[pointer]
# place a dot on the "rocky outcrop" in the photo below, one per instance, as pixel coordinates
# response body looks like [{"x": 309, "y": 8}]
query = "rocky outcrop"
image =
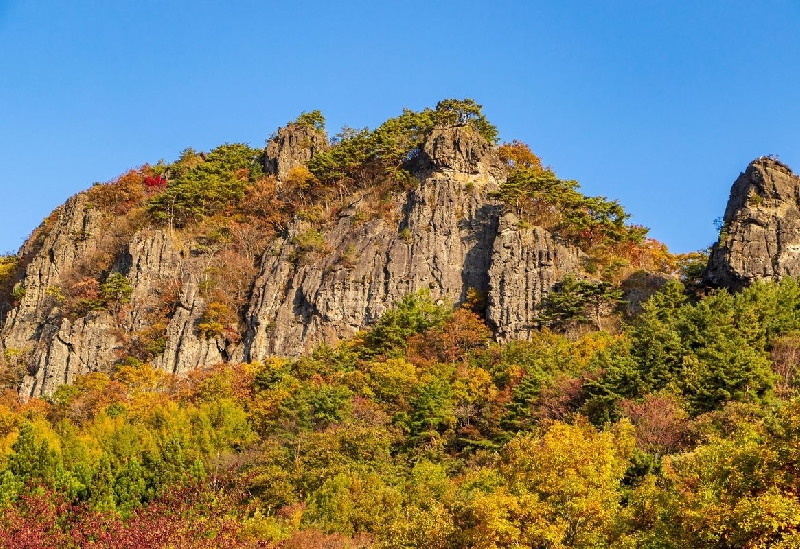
[
  {"x": 33, "y": 331},
  {"x": 526, "y": 263},
  {"x": 460, "y": 153},
  {"x": 62, "y": 240},
  {"x": 314, "y": 283},
  {"x": 292, "y": 146},
  {"x": 441, "y": 240},
  {"x": 56, "y": 347},
  {"x": 155, "y": 264},
  {"x": 760, "y": 234}
]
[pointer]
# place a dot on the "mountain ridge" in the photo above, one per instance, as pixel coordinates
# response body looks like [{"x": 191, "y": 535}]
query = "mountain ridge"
[{"x": 238, "y": 254}]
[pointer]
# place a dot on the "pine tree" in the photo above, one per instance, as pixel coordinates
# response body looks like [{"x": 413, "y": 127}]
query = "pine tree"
[
  {"x": 130, "y": 487},
  {"x": 101, "y": 488}
]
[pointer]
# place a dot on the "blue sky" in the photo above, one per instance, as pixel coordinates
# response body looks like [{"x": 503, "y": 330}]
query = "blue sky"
[{"x": 658, "y": 104}]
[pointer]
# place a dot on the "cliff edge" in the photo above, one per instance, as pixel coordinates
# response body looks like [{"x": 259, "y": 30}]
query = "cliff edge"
[
  {"x": 305, "y": 284},
  {"x": 760, "y": 233}
]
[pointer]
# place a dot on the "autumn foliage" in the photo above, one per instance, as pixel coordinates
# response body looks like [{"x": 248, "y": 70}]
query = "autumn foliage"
[
  {"x": 670, "y": 427},
  {"x": 421, "y": 432}
]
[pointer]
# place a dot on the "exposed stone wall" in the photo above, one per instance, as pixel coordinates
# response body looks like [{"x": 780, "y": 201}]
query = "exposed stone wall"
[{"x": 447, "y": 235}]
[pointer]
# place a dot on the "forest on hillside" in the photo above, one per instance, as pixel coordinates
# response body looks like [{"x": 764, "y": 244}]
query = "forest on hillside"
[
  {"x": 673, "y": 424},
  {"x": 679, "y": 431}
]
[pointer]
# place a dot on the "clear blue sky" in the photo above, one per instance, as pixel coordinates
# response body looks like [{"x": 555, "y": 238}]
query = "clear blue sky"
[{"x": 658, "y": 104}]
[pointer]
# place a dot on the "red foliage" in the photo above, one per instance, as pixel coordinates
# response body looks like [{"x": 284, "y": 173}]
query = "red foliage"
[
  {"x": 155, "y": 182},
  {"x": 33, "y": 523},
  {"x": 193, "y": 517},
  {"x": 560, "y": 399},
  {"x": 662, "y": 426}
]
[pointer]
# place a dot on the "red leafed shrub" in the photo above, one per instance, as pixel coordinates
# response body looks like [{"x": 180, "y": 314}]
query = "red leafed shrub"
[
  {"x": 33, "y": 523},
  {"x": 191, "y": 517},
  {"x": 155, "y": 182}
]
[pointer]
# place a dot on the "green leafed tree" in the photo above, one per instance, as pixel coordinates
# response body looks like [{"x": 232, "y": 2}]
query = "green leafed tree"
[
  {"x": 414, "y": 314},
  {"x": 581, "y": 301},
  {"x": 116, "y": 288},
  {"x": 364, "y": 156},
  {"x": 466, "y": 112},
  {"x": 205, "y": 187},
  {"x": 311, "y": 119},
  {"x": 101, "y": 488},
  {"x": 130, "y": 487}
]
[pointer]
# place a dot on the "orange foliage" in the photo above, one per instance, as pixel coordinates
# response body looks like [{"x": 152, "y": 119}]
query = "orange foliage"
[
  {"x": 316, "y": 539},
  {"x": 262, "y": 205},
  {"x": 95, "y": 392},
  {"x": 463, "y": 332},
  {"x": 652, "y": 255},
  {"x": 10, "y": 399},
  {"x": 85, "y": 288},
  {"x": 33, "y": 408},
  {"x": 519, "y": 155},
  {"x": 120, "y": 195}
]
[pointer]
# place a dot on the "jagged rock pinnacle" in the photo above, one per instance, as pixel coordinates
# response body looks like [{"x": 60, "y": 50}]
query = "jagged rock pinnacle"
[
  {"x": 760, "y": 234},
  {"x": 292, "y": 146}
]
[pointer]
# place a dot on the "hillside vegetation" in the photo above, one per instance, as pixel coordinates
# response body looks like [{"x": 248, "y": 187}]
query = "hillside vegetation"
[
  {"x": 224, "y": 210},
  {"x": 673, "y": 424},
  {"x": 678, "y": 432}
]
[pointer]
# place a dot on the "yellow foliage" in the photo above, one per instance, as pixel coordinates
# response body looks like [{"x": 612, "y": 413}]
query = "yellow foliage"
[
  {"x": 139, "y": 377},
  {"x": 300, "y": 177},
  {"x": 93, "y": 381},
  {"x": 392, "y": 378},
  {"x": 473, "y": 384},
  {"x": 573, "y": 474},
  {"x": 8, "y": 264},
  {"x": 430, "y": 527},
  {"x": 261, "y": 527},
  {"x": 497, "y": 521},
  {"x": 44, "y": 431},
  {"x": 9, "y": 423},
  {"x": 142, "y": 403},
  {"x": 217, "y": 319},
  {"x": 586, "y": 347}
]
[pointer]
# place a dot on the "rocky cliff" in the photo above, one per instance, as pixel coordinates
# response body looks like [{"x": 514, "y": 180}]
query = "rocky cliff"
[
  {"x": 446, "y": 235},
  {"x": 760, "y": 234},
  {"x": 292, "y": 146}
]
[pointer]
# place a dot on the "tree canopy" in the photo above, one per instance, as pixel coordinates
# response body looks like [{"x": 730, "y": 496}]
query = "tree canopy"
[{"x": 420, "y": 432}]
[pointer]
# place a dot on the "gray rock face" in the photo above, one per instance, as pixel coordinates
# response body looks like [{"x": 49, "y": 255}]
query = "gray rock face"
[
  {"x": 441, "y": 241},
  {"x": 760, "y": 237},
  {"x": 447, "y": 236},
  {"x": 526, "y": 263},
  {"x": 462, "y": 154},
  {"x": 55, "y": 347},
  {"x": 34, "y": 329},
  {"x": 293, "y": 145}
]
